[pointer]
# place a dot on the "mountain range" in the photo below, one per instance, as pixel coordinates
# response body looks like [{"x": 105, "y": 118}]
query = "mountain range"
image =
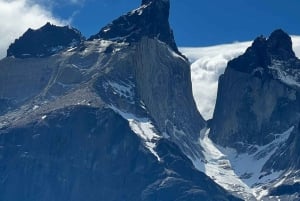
[{"x": 113, "y": 117}]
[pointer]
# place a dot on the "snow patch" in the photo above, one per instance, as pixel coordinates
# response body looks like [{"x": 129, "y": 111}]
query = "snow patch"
[
  {"x": 100, "y": 45},
  {"x": 286, "y": 75},
  {"x": 249, "y": 166},
  {"x": 144, "y": 128},
  {"x": 35, "y": 107},
  {"x": 121, "y": 89},
  {"x": 139, "y": 10},
  {"x": 106, "y": 29},
  {"x": 3, "y": 124}
]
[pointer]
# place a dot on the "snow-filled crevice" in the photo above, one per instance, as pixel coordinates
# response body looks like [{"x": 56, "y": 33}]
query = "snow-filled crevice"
[
  {"x": 144, "y": 128},
  {"x": 218, "y": 167},
  {"x": 240, "y": 174}
]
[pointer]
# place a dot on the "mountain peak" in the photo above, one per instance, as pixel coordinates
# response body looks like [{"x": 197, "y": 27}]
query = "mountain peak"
[
  {"x": 280, "y": 45},
  {"x": 45, "y": 41},
  {"x": 263, "y": 50},
  {"x": 150, "y": 20}
]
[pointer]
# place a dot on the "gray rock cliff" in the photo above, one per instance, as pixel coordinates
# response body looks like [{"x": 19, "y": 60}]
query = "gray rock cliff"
[
  {"x": 258, "y": 95},
  {"x": 104, "y": 119}
]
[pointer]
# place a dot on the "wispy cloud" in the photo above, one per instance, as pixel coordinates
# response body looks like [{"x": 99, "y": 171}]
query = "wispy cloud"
[
  {"x": 80, "y": 2},
  {"x": 17, "y": 16},
  {"x": 208, "y": 63}
]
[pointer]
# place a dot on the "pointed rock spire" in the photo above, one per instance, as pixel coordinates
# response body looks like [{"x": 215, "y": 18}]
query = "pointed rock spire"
[
  {"x": 263, "y": 50},
  {"x": 280, "y": 45},
  {"x": 151, "y": 20}
]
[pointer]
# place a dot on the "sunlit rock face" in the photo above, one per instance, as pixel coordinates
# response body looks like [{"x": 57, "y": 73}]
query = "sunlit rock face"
[
  {"x": 111, "y": 118},
  {"x": 258, "y": 95}
]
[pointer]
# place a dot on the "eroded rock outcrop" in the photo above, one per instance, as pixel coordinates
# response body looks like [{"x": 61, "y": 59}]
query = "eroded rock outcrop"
[{"x": 44, "y": 42}]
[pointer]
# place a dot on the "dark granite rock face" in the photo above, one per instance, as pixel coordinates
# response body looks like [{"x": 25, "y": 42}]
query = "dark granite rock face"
[
  {"x": 150, "y": 20},
  {"x": 287, "y": 156},
  {"x": 44, "y": 42},
  {"x": 280, "y": 45},
  {"x": 4, "y": 105},
  {"x": 263, "y": 50},
  {"x": 286, "y": 190},
  {"x": 255, "y": 100},
  {"x": 83, "y": 153}
]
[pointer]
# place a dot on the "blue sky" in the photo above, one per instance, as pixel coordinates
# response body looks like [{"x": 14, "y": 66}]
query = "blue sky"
[{"x": 195, "y": 22}]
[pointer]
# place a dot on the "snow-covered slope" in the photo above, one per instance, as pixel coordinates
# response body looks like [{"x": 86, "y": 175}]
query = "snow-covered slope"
[
  {"x": 208, "y": 63},
  {"x": 244, "y": 174},
  {"x": 241, "y": 173}
]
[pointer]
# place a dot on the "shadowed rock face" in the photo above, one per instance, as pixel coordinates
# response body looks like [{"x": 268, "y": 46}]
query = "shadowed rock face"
[
  {"x": 263, "y": 50},
  {"x": 150, "y": 20},
  {"x": 258, "y": 94},
  {"x": 82, "y": 153},
  {"x": 44, "y": 42},
  {"x": 288, "y": 154},
  {"x": 280, "y": 45}
]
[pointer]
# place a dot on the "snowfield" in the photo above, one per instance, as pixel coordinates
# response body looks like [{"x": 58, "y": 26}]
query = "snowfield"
[{"x": 240, "y": 174}]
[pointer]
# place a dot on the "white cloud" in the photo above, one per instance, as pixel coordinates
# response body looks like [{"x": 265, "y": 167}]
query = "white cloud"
[
  {"x": 296, "y": 45},
  {"x": 208, "y": 63},
  {"x": 19, "y": 15}
]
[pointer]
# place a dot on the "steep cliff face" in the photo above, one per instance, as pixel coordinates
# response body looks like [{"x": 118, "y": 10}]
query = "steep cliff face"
[
  {"x": 156, "y": 73},
  {"x": 257, "y": 115},
  {"x": 110, "y": 118},
  {"x": 258, "y": 94},
  {"x": 165, "y": 76},
  {"x": 152, "y": 80}
]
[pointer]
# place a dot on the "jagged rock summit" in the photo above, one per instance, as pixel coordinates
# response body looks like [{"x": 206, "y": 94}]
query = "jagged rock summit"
[
  {"x": 267, "y": 75},
  {"x": 257, "y": 114},
  {"x": 45, "y": 41},
  {"x": 280, "y": 45},
  {"x": 263, "y": 51},
  {"x": 110, "y": 119},
  {"x": 151, "y": 20}
]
